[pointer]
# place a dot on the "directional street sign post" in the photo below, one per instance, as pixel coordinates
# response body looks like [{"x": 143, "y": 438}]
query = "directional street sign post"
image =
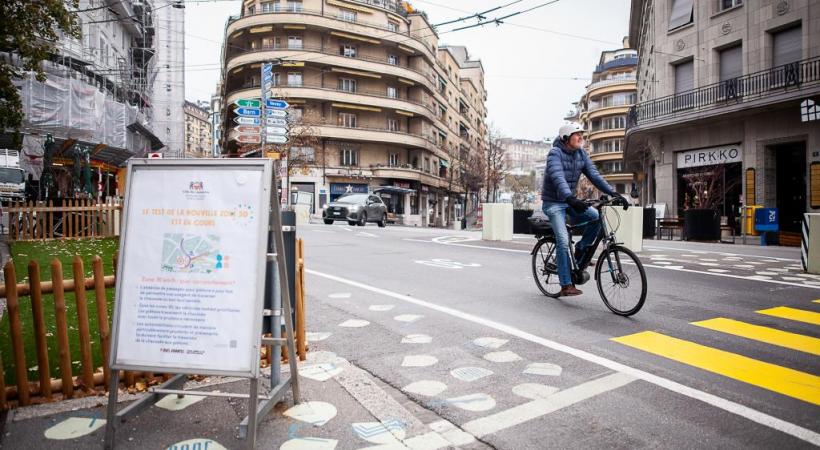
[
  {"x": 275, "y": 139},
  {"x": 247, "y": 102},
  {"x": 249, "y": 121},
  {"x": 248, "y": 129},
  {"x": 249, "y": 112},
  {"x": 276, "y": 113},
  {"x": 276, "y": 104},
  {"x": 249, "y": 138},
  {"x": 282, "y": 131},
  {"x": 276, "y": 121}
]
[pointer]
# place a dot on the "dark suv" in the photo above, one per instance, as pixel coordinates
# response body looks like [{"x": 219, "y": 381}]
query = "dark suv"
[{"x": 356, "y": 209}]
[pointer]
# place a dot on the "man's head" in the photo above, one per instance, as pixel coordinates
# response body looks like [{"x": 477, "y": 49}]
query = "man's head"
[{"x": 572, "y": 135}]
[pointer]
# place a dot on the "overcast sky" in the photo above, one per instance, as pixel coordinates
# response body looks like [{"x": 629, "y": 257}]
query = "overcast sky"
[{"x": 536, "y": 64}]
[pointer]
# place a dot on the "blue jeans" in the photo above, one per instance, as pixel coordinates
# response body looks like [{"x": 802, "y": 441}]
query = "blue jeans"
[{"x": 557, "y": 213}]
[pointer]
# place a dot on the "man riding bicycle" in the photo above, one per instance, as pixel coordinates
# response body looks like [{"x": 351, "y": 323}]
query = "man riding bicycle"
[{"x": 565, "y": 163}]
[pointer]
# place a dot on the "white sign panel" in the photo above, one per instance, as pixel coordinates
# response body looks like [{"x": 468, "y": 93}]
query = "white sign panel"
[
  {"x": 191, "y": 281},
  {"x": 710, "y": 156}
]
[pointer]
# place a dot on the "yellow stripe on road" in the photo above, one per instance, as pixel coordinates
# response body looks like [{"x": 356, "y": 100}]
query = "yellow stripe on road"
[
  {"x": 816, "y": 301},
  {"x": 800, "y": 385},
  {"x": 800, "y": 315},
  {"x": 768, "y": 335}
]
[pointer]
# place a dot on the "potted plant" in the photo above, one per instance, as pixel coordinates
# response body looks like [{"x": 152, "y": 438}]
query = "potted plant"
[{"x": 705, "y": 190}]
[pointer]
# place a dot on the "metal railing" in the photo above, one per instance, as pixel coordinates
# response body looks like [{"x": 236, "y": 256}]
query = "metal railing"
[
  {"x": 777, "y": 80},
  {"x": 610, "y": 82}
]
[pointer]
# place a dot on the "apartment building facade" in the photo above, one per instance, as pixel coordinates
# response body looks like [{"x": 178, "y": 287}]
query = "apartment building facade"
[
  {"x": 393, "y": 111},
  {"x": 603, "y": 109},
  {"x": 727, "y": 87},
  {"x": 198, "y": 134},
  {"x": 95, "y": 102}
]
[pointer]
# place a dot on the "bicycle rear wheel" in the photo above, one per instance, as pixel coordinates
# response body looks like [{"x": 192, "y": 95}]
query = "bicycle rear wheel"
[
  {"x": 545, "y": 268},
  {"x": 621, "y": 280}
]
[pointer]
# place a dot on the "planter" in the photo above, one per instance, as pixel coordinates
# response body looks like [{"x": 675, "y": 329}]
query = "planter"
[{"x": 701, "y": 225}]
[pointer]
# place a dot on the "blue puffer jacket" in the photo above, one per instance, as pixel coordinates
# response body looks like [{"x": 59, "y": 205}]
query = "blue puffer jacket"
[{"x": 564, "y": 168}]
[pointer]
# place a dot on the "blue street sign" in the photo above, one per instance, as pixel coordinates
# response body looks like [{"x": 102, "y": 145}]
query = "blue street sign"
[
  {"x": 267, "y": 68},
  {"x": 247, "y": 120},
  {"x": 766, "y": 219},
  {"x": 276, "y": 113},
  {"x": 253, "y": 112},
  {"x": 267, "y": 77},
  {"x": 276, "y": 104}
]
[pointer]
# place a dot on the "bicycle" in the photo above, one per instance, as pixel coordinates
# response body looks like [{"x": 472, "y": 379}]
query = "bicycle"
[{"x": 614, "y": 275}]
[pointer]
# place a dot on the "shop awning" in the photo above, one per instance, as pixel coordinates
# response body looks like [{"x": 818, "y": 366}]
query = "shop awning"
[{"x": 394, "y": 189}]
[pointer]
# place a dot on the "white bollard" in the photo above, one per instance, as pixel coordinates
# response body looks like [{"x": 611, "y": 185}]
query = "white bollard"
[{"x": 497, "y": 221}]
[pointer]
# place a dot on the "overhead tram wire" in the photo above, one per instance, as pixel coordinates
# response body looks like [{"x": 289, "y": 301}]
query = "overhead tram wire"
[
  {"x": 479, "y": 15},
  {"x": 499, "y": 20}
]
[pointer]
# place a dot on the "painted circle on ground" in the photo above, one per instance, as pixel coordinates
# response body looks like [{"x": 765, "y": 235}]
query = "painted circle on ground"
[
  {"x": 314, "y": 413},
  {"x": 427, "y": 388},
  {"x": 546, "y": 369},
  {"x": 473, "y": 402},
  {"x": 502, "y": 357},
  {"x": 408, "y": 317},
  {"x": 418, "y": 361},
  {"x": 309, "y": 443},
  {"x": 489, "y": 342},
  {"x": 416, "y": 339},
  {"x": 354, "y": 323},
  {"x": 381, "y": 307},
  {"x": 534, "y": 391},
  {"x": 74, "y": 427}
]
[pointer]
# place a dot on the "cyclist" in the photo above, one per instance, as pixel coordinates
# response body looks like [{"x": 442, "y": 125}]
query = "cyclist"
[{"x": 565, "y": 163}]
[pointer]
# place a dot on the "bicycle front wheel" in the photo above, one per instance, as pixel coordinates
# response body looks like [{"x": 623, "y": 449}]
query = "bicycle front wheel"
[
  {"x": 621, "y": 280},
  {"x": 545, "y": 268}
]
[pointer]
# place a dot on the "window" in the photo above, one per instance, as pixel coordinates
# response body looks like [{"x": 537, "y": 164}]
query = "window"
[
  {"x": 295, "y": 5},
  {"x": 393, "y": 159},
  {"x": 251, "y": 9},
  {"x": 787, "y": 46},
  {"x": 726, "y": 4},
  {"x": 347, "y": 120},
  {"x": 295, "y": 114},
  {"x": 268, "y": 7},
  {"x": 348, "y": 51},
  {"x": 684, "y": 77},
  {"x": 347, "y": 15},
  {"x": 618, "y": 122},
  {"x": 392, "y": 92},
  {"x": 267, "y": 42},
  {"x": 427, "y": 164},
  {"x": 731, "y": 63},
  {"x": 393, "y": 60},
  {"x": 347, "y": 84},
  {"x": 276, "y": 79},
  {"x": 295, "y": 42},
  {"x": 349, "y": 156},
  {"x": 294, "y": 78},
  {"x": 393, "y": 124},
  {"x": 392, "y": 26},
  {"x": 682, "y": 13}
]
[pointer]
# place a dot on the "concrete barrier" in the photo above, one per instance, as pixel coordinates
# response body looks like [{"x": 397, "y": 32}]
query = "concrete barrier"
[
  {"x": 497, "y": 221},
  {"x": 302, "y": 214}
]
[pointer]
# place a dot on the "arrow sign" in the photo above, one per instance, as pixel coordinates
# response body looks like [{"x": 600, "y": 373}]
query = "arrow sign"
[
  {"x": 276, "y": 121},
  {"x": 253, "y": 112},
  {"x": 248, "y": 120},
  {"x": 248, "y": 129},
  {"x": 276, "y": 113},
  {"x": 249, "y": 138},
  {"x": 247, "y": 102},
  {"x": 276, "y": 130},
  {"x": 276, "y": 139},
  {"x": 276, "y": 104}
]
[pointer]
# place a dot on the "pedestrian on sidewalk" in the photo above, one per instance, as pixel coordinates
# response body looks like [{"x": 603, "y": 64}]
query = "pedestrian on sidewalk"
[{"x": 566, "y": 161}]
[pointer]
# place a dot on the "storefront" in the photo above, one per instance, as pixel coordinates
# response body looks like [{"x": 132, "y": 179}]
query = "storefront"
[
  {"x": 395, "y": 196},
  {"x": 339, "y": 189},
  {"x": 711, "y": 179}
]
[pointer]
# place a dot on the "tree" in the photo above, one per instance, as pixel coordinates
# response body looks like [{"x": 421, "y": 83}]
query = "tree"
[
  {"x": 495, "y": 164},
  {"x": 28, "y": 31},
  {"x": 521, "y": 187},
  {"x": 706, "y": 187}
]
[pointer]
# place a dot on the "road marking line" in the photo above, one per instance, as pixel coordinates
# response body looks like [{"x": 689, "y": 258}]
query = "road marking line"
[
  {"x": 651, "y": 247},
  {"x": 705, "y": 397},
  {"x": 768, "y": 335},
  {"x": 540, "y": 407},
  {"x": 790, "y": 382},
  {"x": 801, "y": 315},
  {"x": 816, "y": 301}
]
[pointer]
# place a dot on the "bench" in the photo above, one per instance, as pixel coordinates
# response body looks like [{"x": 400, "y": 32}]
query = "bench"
[{"x": 669, "y": 224}]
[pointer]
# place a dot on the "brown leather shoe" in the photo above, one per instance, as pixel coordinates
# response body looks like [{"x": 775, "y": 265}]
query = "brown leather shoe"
[{"x": 570, "y": 290}]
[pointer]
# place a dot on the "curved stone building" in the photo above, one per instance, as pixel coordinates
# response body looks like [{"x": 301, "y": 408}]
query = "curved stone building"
[{"x": 392, "y": 111}]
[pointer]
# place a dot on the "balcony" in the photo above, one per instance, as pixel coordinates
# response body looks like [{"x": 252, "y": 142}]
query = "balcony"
[
  {"x": 331, "y": 21},
  {"x": 613, "y": 85},
  {"x": 779, "y": 84},
  {"x": 616, "y": 63},
  {"x": 379, "y": 135}
]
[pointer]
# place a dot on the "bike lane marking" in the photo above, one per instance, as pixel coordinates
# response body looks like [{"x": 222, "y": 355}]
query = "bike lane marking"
[{"x": 705, "y": 397}]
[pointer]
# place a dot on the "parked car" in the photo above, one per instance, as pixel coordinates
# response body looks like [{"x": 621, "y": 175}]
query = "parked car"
[{"x": 356, "y": 209}]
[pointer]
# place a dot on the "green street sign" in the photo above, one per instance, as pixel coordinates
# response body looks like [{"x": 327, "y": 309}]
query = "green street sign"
[{"x": 249, "y": 103}]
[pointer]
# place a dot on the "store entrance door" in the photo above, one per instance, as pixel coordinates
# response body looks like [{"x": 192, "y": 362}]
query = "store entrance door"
[{"x": 791, "y": 184}]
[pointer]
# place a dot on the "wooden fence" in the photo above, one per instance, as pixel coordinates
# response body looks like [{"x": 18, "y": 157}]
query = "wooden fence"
[
  {"x": 75, "y": 218},
  {"x": 89, "y": 380}
]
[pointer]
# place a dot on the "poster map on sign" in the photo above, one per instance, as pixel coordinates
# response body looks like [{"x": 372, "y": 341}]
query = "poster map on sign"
[{"x": 186, "y": 303}]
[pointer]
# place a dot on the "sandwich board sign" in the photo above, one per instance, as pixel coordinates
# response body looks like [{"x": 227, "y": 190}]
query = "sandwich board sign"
[{"x": 191, "y": 279}]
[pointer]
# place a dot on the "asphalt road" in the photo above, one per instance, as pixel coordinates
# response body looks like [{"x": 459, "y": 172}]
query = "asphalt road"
[{"x": 458, "y": 325}]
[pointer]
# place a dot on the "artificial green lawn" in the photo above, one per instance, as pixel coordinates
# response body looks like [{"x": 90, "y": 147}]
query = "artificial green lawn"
[{"x": 44, "y": 253}]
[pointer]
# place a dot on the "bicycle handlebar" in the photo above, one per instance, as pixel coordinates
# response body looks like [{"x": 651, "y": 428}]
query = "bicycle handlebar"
[{"x": 605, "y": 200}]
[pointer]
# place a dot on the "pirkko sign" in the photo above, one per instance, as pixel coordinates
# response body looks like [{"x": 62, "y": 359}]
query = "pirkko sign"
[{"x": 710, "y": 156}]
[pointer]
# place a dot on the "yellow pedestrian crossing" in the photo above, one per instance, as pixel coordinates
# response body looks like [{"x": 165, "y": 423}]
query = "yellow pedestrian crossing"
[
  {"x": 790, "y": 382},
  {"x": 801, "y": 315},
  {"x": 768, "y": 335}
]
